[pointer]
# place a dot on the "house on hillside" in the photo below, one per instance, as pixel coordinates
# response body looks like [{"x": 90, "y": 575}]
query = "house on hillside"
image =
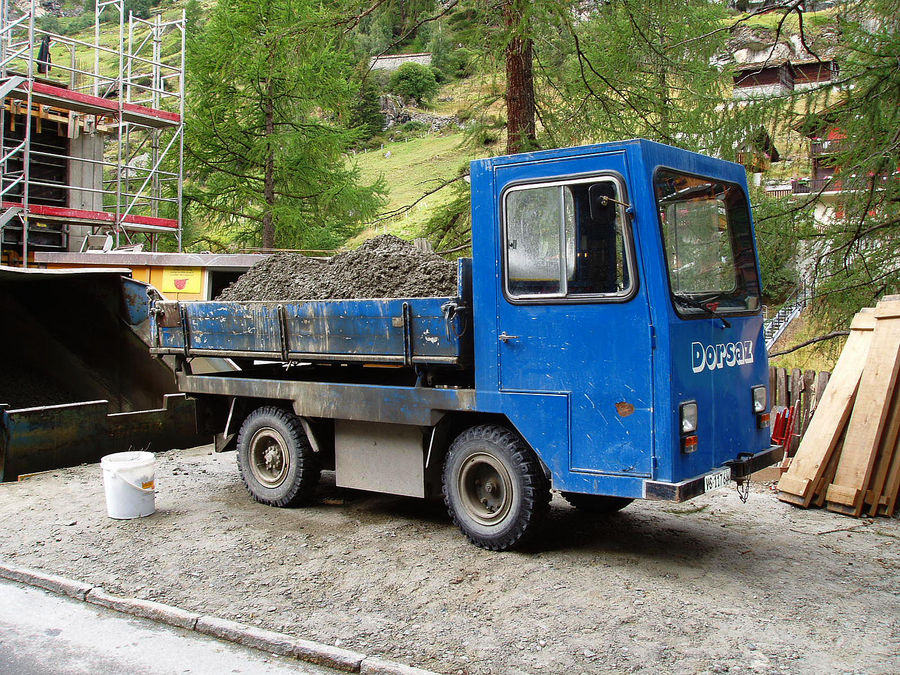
[
  {"x": 780, "y": 77},
  {"x": 828, "y": 181}
]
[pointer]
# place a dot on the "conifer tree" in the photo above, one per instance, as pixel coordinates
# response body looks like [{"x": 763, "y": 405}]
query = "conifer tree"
[
  {"x": 269, "y": 85},
  {"x": 856, "y": 257}
]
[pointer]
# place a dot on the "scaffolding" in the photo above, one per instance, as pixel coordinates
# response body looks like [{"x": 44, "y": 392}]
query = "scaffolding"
[{"x": 92, "y": 134}]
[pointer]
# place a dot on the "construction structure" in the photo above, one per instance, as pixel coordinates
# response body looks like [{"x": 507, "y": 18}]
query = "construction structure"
[{"x": 91, "y": 133}]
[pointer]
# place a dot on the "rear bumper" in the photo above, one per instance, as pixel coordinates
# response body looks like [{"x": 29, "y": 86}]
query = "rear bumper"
[{"x": 741, "y": 468}]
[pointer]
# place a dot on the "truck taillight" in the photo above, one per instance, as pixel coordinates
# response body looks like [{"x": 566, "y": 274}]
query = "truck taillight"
[
  {"x": 760, "y": 405},
  {"x": 760, "y": 400},
  {"x": 687, "y": 423},
  {"x": 688, "y": 417}
]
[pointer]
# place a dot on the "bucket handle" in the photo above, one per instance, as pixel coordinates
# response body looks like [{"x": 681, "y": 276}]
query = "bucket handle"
[{"x": 134, "y": 485}]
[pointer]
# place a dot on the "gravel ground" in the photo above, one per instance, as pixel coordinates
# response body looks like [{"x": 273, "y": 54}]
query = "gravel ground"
[
  {"x": 383, "y": 267},
  {"x": 712, "y": 585}
]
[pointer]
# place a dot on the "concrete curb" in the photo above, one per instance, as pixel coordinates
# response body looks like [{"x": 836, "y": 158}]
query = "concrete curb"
[
  {"x": 148, "y": 609},
  {"x": 222, "y": 629},
  {"x": 49, "y": 582},
  {"x": 279, "y": 643}
]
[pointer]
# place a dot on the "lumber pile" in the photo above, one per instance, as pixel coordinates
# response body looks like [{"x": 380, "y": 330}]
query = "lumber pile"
[{"x": 849, "y": 458}]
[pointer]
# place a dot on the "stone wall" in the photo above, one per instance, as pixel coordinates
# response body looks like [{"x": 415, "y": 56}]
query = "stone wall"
[{"x": 393, "y": 62}]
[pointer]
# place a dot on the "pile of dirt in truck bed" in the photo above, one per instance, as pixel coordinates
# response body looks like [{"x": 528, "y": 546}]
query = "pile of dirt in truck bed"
[{"x": 383, "y": 267}]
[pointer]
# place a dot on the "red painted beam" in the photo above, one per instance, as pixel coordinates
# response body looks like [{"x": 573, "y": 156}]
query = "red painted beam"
[
  {"x": 110, "y": 106},
  {"x": 95, "y": 216}
]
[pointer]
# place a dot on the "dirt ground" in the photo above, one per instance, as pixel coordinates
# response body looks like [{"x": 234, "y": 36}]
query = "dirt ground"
[{"x": 712, "y": 585}]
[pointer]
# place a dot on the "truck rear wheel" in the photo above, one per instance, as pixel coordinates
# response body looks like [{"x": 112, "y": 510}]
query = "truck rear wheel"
[
  {"x": 494, "y": 487},
  {"x": 275, "y": 459},
  {"x": 597, "y": 504}
]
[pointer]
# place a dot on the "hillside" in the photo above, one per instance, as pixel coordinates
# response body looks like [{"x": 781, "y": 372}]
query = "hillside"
[{"x": 412, "y": 169}]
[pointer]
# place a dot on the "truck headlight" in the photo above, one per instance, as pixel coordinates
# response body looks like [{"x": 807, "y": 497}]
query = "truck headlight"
[
  {"x": 688, "y": 417},
  {"x": 759, "y": 398}
]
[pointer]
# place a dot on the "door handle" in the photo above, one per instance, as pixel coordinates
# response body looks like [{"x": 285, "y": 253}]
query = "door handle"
[{"x": 503, "y": 337}]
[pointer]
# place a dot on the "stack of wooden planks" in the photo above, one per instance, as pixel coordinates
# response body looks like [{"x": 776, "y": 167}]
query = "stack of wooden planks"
[{"x": 849, "y": 458}]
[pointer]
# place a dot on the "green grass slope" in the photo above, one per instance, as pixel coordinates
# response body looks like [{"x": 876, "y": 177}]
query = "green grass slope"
[{"x": 411, "y": 169}]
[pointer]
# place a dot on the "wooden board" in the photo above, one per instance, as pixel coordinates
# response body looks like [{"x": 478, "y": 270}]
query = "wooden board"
[
  {"x": 809, "y": 401},
  {"x": 781, "y": 388},
  {"x": 870, "y": 411},
  {"x": 796, "y": 393},
  {"x": 773, "y": 399},
  {"x": 828, "y": 475},
  {"x": 884, "y": 456},
  {"x": 797, "y": 485},
  {"x": 892, "y": 485}
]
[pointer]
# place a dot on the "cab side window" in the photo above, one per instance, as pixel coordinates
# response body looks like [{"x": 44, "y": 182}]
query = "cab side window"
[{"x": 566, "y": 240}]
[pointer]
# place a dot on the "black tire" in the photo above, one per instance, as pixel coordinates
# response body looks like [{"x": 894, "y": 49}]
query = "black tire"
[
  {"x": 494, "y": 487},
  {"x": 596, "y": 504},
  {"x": 275, "y": 459}
]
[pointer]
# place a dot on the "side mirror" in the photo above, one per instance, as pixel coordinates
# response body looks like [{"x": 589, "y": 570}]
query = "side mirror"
[{"x": 602, "y": 199}]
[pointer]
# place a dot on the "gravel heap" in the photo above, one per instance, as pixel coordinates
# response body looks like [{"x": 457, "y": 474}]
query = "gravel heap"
[{"x": 383, "y": 267}]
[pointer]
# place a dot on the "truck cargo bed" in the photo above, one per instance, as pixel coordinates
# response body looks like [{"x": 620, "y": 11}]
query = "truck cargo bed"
[{"x": 404, "y": 331}]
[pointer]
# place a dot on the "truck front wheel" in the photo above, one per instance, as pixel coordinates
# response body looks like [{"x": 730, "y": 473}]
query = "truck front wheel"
[
  {"x": 275, "y": 459},
  {"x": 494, "y": 487}
]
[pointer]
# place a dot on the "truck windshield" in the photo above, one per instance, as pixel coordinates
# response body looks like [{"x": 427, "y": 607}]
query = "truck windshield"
[{"x": 708, "y": 243}]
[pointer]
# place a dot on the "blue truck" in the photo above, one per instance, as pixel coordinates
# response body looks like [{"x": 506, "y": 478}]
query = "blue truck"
[{"x": 605, "y": 341}]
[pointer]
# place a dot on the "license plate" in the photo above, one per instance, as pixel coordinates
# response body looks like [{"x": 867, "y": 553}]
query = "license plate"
[{"x": 716, "y": 480}]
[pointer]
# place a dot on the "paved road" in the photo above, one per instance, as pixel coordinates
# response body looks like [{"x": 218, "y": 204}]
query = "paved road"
[{"x": 45, "y": 634}]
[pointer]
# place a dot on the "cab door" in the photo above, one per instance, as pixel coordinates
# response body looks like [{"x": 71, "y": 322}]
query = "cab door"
[{"x": 572, "y": 316}]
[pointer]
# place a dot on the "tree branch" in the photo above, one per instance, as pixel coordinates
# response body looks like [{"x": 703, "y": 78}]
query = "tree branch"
[
  {"x": 409, "y": 207},
  {"x": 821, "y": 338}
]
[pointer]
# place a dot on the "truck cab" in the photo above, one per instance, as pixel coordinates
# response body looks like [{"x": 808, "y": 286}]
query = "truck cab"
[
  {"x": 605, "y": 341},
  {"x": 618, "y": 315}
]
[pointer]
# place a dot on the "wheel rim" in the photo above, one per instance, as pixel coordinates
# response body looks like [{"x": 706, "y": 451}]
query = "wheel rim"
[
  {"x": 269, "y": 457},
  {"x": 486, "y": 489}
]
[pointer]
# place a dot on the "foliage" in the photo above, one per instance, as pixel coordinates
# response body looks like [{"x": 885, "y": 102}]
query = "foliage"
[
  {"x": 365, "y": 112},
  {"x": 415, "y": 81},
  {"x": 634, "y": 69},
  {"x": 449, "y": 61},
  {"x": 140, "y": 8},
  {"x": 779, "y": 232},
  {"x": 450, "y": 226},
  {"x": 194, "y": 17},
  {"x": 391, "y": 26},
  {"x": 858, "y": 261},
  {"x": 851, "y": 257},
  {"x": 268, "y": 83},
  {"x": 65, "y": 25}
]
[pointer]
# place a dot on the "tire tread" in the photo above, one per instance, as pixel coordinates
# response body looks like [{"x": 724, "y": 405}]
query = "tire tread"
[
  {"x": 306, "y": 477},
  {"x": 535, "y": 489}
]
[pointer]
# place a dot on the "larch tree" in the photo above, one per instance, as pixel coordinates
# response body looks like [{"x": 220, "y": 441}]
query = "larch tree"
[
  {"x": 269, "y": 88},
  {"x": 856, "y": 248},
  {"x": 521, "y": 132}
]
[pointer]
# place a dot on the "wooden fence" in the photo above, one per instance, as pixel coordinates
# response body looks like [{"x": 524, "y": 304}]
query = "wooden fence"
[{"x": 798, "y": 389}]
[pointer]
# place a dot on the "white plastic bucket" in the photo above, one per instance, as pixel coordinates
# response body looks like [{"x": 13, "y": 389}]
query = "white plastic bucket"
[{"x": 128, "y": 478}]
